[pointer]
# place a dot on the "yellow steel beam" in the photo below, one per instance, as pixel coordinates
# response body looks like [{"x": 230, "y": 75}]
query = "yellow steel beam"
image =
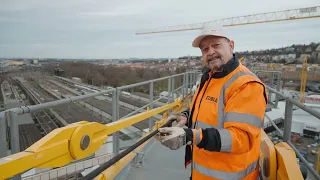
[
  {"x": 75, "y": 141},
  {"x": 318, "y": 162},
  {"x": 268, "y": 159},
  {"x": 288, "y": 167},
  {"x": 123, "y": 123},
  {"x": 114, "y": 170}
]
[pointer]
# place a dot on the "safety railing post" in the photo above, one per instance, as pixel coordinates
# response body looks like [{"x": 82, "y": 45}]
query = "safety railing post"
[
  {"x": 183, "y": 85},
  {"x": 115, "y": 117},
  {"x": 173, "y": 88},
  {"x": 287, "y": 121},
  {"x": 272, "y": 80},
  {"x": 151, "y": 123},
  {"x": 195, "y": 78},
  {"x": 276, "y": 96},
  {"x": 14, "y": 138},
  {"x": 14, "y": 133},
  {"x": 169, "y": 90},
  {"x": 3, "y": 135},
  {"x": 278, "y": 88},
  {"x": 187, "y": 83},
  {"x": 271, "y": 85},
  {"x": 276, "y": 101},
  {"x": 190, "y": 79}
]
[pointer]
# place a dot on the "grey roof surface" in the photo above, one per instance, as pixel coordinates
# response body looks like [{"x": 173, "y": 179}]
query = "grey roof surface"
[{"x": 161, "y": 163}]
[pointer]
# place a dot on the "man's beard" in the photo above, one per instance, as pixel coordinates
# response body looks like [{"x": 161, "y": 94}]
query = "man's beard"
[{"x": 214, "y": 63}]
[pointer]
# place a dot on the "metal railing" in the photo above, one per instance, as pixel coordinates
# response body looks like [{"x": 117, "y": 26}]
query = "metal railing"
[
  {"x": 290, "y": 102},
  {"x": 9, "y": 116},
  {"x": 189, "y": 79},
  {"x": 286, "y": 134},
  {"x": 273, "y": 74}
]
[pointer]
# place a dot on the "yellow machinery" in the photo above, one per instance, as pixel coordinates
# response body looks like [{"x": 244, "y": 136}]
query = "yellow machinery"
[
  {"x": 81, "y": 139},
  {"x": 72, "y": 142},
  {"x": 277, "y": 162},
  {"x": 303, "y": 80}
]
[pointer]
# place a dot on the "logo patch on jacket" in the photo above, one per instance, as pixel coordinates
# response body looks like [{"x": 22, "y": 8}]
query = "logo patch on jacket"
[{"x": 210, "y": 98}]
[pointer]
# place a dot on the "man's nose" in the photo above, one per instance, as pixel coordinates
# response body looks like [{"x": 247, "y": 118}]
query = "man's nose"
[{"x": 211, "y": 51}]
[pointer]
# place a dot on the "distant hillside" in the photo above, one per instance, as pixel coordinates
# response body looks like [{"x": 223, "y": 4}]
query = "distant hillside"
[{"x": 288, "y": 55}]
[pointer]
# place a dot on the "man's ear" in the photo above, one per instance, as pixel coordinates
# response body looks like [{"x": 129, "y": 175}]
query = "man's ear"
[{"x": 231, "y": 44}]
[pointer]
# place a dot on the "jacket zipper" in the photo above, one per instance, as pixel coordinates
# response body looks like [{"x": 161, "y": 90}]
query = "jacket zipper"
[
  {"x": 197, "y": 116},
  {"x": 196, "y": 121},
  {"x": 193, "y": 105}
]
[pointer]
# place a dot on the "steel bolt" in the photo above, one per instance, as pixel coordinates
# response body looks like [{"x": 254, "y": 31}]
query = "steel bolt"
[{"x": 85, "y": 141}]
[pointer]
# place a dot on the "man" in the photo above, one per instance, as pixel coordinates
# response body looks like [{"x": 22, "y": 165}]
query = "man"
[{"x": 225, "y": 117}]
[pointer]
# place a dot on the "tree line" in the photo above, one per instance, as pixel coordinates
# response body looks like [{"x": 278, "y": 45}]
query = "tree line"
[{"x": 115, "y": 76}]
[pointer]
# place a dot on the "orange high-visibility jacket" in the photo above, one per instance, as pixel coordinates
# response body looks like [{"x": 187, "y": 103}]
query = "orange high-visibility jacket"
[{"x": 228, "y": 111}]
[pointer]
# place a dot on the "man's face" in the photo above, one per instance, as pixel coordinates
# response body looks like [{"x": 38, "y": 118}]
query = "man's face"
[{"x": 216, "y": 51}]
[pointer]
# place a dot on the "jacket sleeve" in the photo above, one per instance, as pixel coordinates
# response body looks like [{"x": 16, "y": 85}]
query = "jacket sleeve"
[{"x": 244, "y": 114}]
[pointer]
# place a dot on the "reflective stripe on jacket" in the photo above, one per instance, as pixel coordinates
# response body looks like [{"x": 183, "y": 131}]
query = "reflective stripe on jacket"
[{"x": 234, "y": 104}]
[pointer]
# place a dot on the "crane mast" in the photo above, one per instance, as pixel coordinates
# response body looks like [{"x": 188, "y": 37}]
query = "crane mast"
[{"x": 303, "y": 80}]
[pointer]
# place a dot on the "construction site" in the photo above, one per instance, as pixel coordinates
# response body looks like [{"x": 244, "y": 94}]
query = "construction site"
[{"x": 59, "y": 128}]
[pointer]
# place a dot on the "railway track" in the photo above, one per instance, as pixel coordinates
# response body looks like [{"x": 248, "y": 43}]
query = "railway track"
[
  {"x": 106, "y": 106},
  {"x": 73, "y": 112},
  {"x": 40, "y": 96},
  {"x": 28, "y": 135},
  {"x": 46, "y": 121},
  {"x": 44, "y": 118},
  {"x": 147, "y": 96}
]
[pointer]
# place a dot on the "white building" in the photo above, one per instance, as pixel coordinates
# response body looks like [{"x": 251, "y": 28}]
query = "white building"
[
  {"x": 34, "y": 61},
  {"x": 313, "y": 99},
  {"x": 303, "y": 122}
]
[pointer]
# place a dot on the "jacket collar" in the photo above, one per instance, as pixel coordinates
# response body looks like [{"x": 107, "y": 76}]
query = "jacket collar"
[{"x": 227, "y": 68}]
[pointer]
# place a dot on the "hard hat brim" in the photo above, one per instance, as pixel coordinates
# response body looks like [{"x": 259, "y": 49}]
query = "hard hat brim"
[{"x": 196, "y": 42}]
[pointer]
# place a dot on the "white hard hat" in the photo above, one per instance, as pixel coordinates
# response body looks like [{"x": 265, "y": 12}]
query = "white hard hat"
[{"x": 209, "y": 30}]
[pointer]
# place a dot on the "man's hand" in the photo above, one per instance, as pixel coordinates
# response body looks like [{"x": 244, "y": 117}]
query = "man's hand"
[
  {"x": 180, "y": 118},
  {"x": 172, "y": 137}
]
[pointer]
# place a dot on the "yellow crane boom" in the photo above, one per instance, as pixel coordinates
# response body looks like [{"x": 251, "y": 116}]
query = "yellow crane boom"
[
  {"x": 285, "y": 15},
  {"x": 303, "y": 80}
]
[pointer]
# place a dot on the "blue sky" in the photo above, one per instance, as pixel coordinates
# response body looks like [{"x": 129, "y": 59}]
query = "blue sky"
[{"x": 106, "y": 29}]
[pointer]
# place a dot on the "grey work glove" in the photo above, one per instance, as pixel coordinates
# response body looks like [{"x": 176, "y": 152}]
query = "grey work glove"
[
  {"x": 180, "y": 118},
  {"x": 172, "y": 137}
]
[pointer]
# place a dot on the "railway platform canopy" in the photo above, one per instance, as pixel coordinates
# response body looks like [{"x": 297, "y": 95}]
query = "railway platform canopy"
[{"x": 74, "y": 151}]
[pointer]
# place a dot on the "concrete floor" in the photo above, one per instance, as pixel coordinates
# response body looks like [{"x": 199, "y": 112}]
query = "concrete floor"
[{"x": 161, "y": 163}]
